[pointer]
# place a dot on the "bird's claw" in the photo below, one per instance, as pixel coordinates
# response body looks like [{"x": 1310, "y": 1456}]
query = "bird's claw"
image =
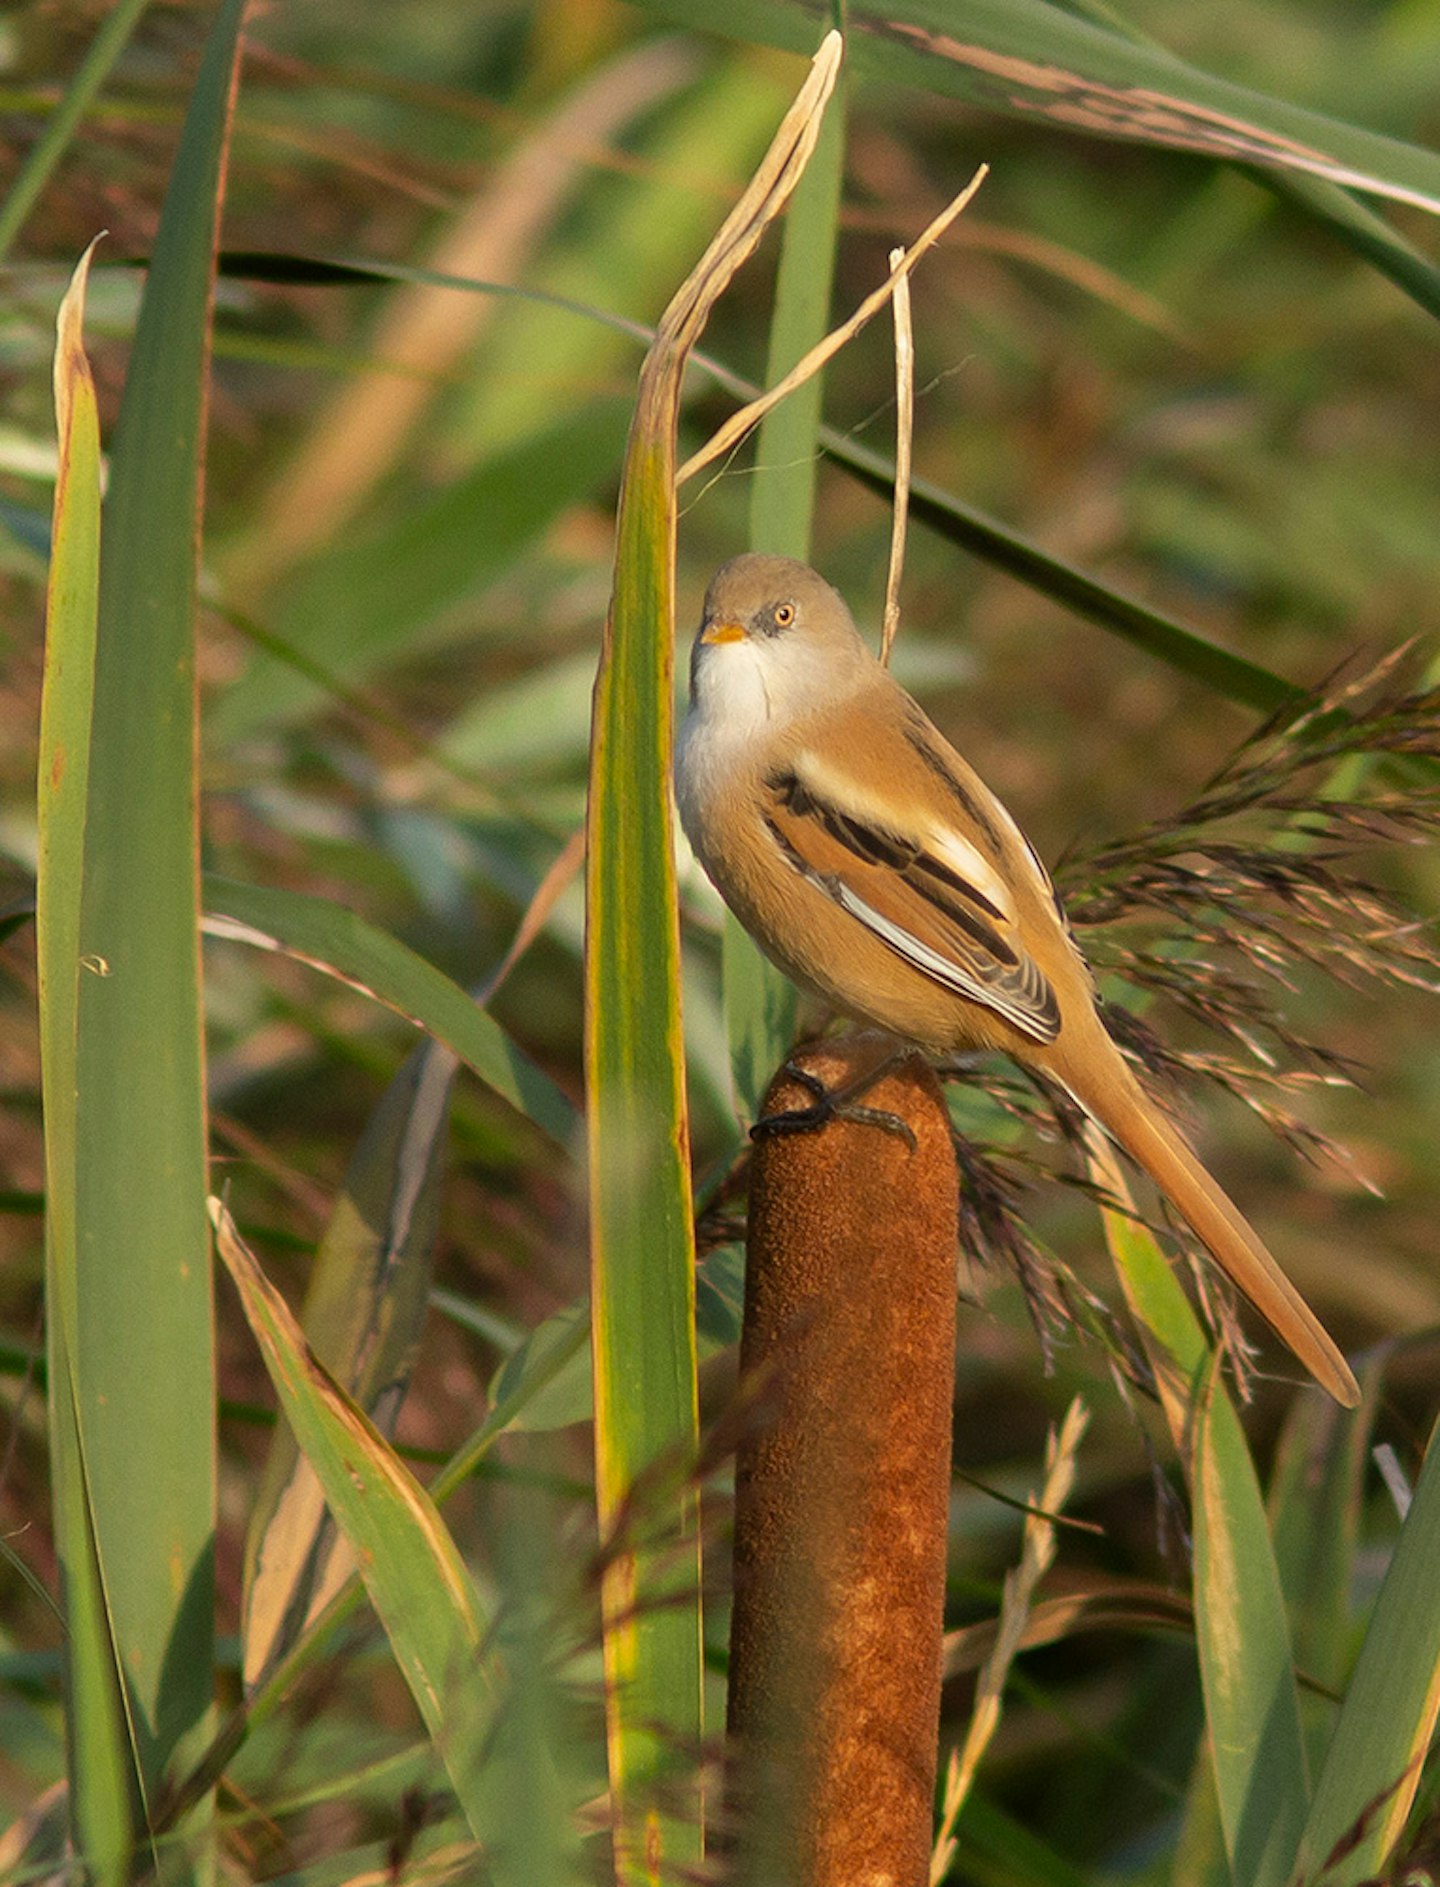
[{"x": 826, "y": 1106}]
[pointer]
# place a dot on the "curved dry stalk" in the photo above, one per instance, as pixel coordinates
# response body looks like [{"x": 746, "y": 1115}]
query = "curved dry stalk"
[
  {"x": 739, "y": 424},
  {"x": 1036, "y": 1552},
  {"x": 904, "y": 441},
  {"x": 641, "y": 1211}
]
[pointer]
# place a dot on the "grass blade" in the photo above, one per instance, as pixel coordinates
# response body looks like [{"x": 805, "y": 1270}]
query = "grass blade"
[
  {"x": 1317, "y": 1492},
  {"x": 365, "y": 1304},
  {"x": 1159, "y": 635},
  {"x": 98, "y": 1734},
  {"x": 1372, "y": 1767},
  {"x": 413, "y": 1573},
  {"x": 344, "y": 945},
  {"x": 136, "y": 1319},
  {"x": 1035, "y": 59},
  {"x": 1359, "y": 228},
  {"x": 628, "y": 249},
  {"x": 1350, "y": 220},
  {"x": 642, "y": 1252},
  {"x": 642, "y": 1239},
  {"x": 1252, "y": 1705}
]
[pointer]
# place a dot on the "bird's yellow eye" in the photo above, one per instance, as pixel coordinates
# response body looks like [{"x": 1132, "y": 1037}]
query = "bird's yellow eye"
[{"x": 784, "y": 615}]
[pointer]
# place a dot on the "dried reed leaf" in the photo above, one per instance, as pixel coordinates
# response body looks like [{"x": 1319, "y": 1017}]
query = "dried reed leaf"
[{"x": 1036, "y": 1552}]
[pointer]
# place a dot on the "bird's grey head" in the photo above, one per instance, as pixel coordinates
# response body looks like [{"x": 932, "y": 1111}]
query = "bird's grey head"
[{"x": 791, "y": 626}]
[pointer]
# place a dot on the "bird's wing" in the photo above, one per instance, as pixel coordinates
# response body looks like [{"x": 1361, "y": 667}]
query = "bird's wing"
[{"x": 932, "y": 896}]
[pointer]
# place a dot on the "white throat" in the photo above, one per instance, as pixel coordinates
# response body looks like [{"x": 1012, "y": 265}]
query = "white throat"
[
  {"x": 745, "y": 694},
  {"x": 735, "y": 689},
  {"x": 731, "y": 708}
]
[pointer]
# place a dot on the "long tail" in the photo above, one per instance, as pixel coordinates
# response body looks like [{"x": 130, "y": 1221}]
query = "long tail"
[{"x": 1126, "y": 1113}]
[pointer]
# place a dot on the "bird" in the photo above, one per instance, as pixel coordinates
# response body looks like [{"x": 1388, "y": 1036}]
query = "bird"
[{"x": 869, "y": 861}]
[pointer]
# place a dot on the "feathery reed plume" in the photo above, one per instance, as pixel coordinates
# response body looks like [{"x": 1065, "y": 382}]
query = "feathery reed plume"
[{"x": 1266, "y": 878}]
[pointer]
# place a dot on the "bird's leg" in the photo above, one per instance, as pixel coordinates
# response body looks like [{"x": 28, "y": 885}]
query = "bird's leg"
[{"x": 842, "y": 1103}]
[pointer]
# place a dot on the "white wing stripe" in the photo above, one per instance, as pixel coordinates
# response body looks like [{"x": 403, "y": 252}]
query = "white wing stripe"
[
  {"x": 942, "y": 968},
  {"x": 828, "y": 782}
]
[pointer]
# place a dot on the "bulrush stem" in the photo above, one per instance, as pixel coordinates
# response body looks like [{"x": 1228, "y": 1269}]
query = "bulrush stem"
[{"x": 842, "y": 1485}]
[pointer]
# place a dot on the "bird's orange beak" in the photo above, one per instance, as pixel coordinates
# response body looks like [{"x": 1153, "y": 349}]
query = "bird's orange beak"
[{"x": 723, "y": 632}]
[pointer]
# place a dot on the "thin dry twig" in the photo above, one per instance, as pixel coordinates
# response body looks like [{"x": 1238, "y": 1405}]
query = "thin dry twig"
[
  {"x": 1036, "y": 1552},
  {"x": 904, "y": 439},
  {"x": 739, "y": 424}
]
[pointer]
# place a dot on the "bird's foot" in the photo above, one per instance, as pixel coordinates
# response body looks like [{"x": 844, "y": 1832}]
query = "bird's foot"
[{"x": 829, "y": 1104}]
